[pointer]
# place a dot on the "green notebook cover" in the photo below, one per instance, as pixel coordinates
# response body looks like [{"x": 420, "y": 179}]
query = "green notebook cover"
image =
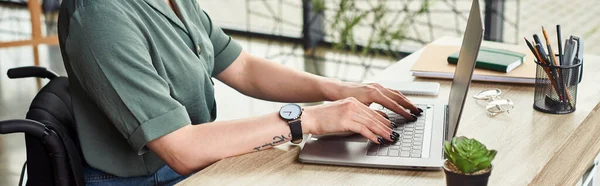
[{"x": 494, "y": 59}]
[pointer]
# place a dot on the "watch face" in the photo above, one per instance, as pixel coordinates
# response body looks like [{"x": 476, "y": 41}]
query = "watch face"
[{"x": 290, "y": 111}]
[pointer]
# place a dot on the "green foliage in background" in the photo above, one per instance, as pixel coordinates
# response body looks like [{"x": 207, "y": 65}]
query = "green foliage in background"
[
  {"x": 468, "y": 154},
  {"x": 384, "y": 33}
]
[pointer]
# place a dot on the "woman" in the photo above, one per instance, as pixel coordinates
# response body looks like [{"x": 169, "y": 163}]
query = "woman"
[{"x": 143, "y": 97}]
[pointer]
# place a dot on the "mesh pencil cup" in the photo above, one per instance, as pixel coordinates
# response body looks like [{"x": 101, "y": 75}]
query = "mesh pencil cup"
[{"x": 556, "y": 87}]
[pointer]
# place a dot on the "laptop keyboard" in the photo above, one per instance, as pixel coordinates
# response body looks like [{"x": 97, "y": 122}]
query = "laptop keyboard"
[{"x": 410, "y": 142}]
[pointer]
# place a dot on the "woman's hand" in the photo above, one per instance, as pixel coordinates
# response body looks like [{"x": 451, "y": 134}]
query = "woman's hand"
[
  {"x": 375, "y": 93},
  {"x": 347, "y": 115}
]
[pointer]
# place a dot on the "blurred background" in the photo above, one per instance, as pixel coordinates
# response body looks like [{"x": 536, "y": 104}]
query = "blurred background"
[{"x": 350, "y": 40}]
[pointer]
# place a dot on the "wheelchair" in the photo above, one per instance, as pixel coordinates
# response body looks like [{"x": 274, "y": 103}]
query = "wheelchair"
[{"x": 53, "y": 153}]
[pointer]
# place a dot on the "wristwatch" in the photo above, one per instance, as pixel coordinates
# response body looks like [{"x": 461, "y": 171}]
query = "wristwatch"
[{"x": 292, "y": 114}]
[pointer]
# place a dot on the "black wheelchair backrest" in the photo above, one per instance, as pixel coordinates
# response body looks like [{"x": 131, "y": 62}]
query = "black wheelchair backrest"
[{"x": 54, "y": 157}]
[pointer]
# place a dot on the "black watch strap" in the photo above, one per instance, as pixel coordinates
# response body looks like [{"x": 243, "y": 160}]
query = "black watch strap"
[{"x": 296, "y": 130}]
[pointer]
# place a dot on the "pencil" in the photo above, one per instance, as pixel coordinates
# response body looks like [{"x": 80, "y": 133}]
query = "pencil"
[
  {"x": 550, "y": 52},
  {"x": 530, "y": 47},
  {"x": 546, "y": 69},
  {"x": 553, "y": 60}
]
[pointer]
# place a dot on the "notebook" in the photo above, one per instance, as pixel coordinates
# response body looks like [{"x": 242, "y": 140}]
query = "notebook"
[
  {"x": 494, "y": 59},
  {"x": 432, "y": 63}
]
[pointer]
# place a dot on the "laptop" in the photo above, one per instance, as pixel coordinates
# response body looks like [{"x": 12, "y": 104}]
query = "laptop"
[{"x": 421, "y": 142}]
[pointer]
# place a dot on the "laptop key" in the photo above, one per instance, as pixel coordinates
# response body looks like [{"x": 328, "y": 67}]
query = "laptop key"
[
  {"x": 394, "y": 153},
  {"x": 416, "y": 152},
  {"x": 373, "y": 148},
  {"x": 418, "y": 135},
  {"x": 371, "y": 153},
  {"x": 419, "y": 132},
  {"x": 418, "y": 139},
  {"x": 382, "y": 152},
  {"x": 417, "y": 147},
  {"x": 395, "y": 147},
  {"x": 404, "y": 154},
  {"x": 406, "y": 144},
  {"x": 407, "y": 149},
  {"x": 412, "y": 155},
  {"x": 417, "y": 143}
]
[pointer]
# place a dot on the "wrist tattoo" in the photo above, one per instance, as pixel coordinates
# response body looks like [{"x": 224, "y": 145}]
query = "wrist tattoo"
[{"x": 276, "y": 141}]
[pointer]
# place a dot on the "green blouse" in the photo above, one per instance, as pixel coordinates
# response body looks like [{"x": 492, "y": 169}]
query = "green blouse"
[{"x": 138, "y": 72}]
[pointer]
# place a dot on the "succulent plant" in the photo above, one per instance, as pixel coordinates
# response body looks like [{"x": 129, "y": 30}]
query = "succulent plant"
[{"x": 468, "y": 155}]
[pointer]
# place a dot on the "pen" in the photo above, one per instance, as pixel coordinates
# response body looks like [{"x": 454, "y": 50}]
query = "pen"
[
  {"x": 569, "y": 51},
  {"x": 560, "y": 47},
  {"x": 553, "y": 74},
  {"x": 541, "y": 60},
  {"x": 579, "y": 57},
  {"x": 537, "y": 40},
  {"x": 539, "y": 50},
  {"x": 543, "y": 54},
  {"x": 535, "y": 52},
  {"x": 554, "y": 62},
  {"x": 568, "y": 59}
]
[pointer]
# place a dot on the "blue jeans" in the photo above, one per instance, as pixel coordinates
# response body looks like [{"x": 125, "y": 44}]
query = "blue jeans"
[{"x": 164, "y": 176}]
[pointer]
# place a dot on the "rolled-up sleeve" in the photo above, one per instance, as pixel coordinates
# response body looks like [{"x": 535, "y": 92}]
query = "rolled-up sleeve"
[
  {"x": 226, "y": 49},
  {"x": 110, "y": 58}
]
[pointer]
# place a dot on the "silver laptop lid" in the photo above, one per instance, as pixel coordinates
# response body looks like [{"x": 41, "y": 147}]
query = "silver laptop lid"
[{"x": 464, "y": 68}]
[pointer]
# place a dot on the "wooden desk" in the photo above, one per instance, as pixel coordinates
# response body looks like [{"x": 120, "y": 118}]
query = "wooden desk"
[{"x": 533, "y": 148}]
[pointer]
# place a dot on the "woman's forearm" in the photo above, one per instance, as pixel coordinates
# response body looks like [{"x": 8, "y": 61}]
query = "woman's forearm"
[
  {"x": 194, "y": 147},
  {"x": 263, "y": 79}
]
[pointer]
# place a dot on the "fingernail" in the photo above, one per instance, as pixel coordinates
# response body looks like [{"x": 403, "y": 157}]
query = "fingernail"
[
  {"x": 394, "y": 138},
  {"x": 386, "y": 117},
  {"x": 414, "y": 117},
  {"x": 393, "y": 124},
  {"x": 395, "y": 134},
  {"x": 380, "y": 140},
  {"x": 420, "y": 111}
]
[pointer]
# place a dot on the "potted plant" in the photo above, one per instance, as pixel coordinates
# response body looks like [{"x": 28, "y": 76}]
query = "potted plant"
[{"x": 469, "y": 162}]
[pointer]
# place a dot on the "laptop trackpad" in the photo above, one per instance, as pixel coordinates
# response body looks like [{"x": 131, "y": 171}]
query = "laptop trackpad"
[{"x": 346, "y": 137}]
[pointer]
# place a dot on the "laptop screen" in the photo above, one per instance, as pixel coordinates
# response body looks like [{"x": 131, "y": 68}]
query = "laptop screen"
[{"x": 464, "y": 68}]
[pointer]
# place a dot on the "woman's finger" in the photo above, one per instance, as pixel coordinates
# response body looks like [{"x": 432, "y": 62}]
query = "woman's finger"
[
  {"x": 375, "y": 115},
  {"x": 364, "y": 131},
  {"x": 374, "y": 126},
  {"x": 382, "y": 114},
  {"x": 394, "y": 106},
  {"x": 402, "y": 100}
]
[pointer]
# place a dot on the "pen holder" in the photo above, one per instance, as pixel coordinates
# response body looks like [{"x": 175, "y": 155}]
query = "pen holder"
[{"x": 556, "y": 87}]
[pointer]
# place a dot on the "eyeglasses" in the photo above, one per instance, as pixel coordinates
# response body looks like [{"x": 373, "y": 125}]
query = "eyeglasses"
[{"x": 496, "y": 105}]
